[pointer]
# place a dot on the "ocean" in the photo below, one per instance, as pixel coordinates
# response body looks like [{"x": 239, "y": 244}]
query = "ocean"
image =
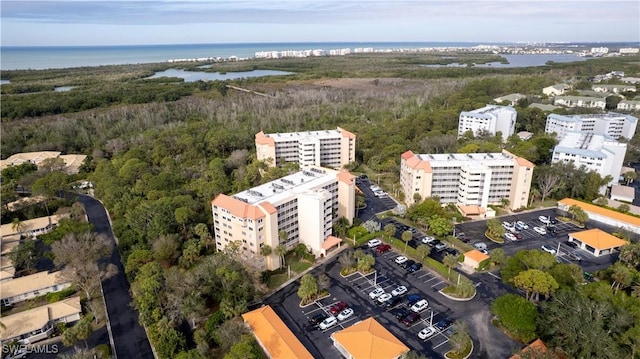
[{"x": 52, "y": 57}]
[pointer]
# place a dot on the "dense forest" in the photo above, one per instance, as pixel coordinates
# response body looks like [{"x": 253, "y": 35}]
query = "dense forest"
[{"x": 160, "y": 150}]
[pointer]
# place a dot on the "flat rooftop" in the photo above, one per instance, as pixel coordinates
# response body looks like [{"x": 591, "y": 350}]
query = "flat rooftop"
[
  {"x": 295, "y": 136},
  {"x": 603, "y": 116},
  {"x": 281, "y": 188},
  {"x": 469, "y": 159},
  {"x": 488, "y": 111},
  {"x": 585, "y": 144}
]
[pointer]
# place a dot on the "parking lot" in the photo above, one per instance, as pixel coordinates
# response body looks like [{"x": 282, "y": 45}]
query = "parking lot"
[
  {"x": 355, "y": 291},
  {"x": 375, "y": 204}
]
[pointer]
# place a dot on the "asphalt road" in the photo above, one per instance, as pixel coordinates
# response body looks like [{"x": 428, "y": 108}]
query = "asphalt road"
[{"x": 129, "y": 337}]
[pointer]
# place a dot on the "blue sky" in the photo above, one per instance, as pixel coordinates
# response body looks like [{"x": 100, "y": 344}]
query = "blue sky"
[{"x": 73, "y": 22}]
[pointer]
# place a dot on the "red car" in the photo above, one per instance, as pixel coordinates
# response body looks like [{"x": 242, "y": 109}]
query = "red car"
[
  {"x": 383, "y": 248},
  {"x": 338, "y": 307},
  {"x": 518, "y": 235}
]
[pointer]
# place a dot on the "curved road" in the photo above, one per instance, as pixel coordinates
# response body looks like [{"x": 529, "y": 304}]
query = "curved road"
[{"x": 129, "y": 337}]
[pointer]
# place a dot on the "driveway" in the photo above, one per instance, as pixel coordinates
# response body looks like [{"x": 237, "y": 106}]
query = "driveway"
[
  {"x": 128, "y": 335},
  {"x": 354, "y": 290}
]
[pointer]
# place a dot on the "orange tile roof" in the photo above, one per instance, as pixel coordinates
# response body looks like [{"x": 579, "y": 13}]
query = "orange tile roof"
[
  {"x": 237, "y": 207},
  {"x": 476, "y": 255},
  {"x": 471, "y": 210},
  {"x": 592, "y": 208},
  {"x": 346, "y": 177},
  {"x": 330, "y": 242},
  {"x": 414, "y": 162},
  {"x": 536, "y": 349},
  {"x": 524, "y": 162},
  {"x": 598, "y": 239},
  {"x": 346, "y": 133},
  {"x": 263, "y": 139},
  {"x": 267, "y": 206},
  {"x": 369, "y": 339},
  {"x": 276, "y": 338}
]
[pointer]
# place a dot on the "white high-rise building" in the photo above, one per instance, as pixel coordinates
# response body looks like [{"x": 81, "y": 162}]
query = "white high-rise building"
[
  {"x": 491, "y": 119},
  {"x": 613, "y": 124},
  {"x": 478, "y": 179},
  {"x": 303, "y": 206},
  {"x": 329, "y": 148},
  {"x": 599, "y": 153}
]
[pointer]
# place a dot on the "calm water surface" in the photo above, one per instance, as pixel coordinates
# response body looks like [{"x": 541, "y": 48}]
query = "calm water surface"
[{"x": 528, "y": 60}]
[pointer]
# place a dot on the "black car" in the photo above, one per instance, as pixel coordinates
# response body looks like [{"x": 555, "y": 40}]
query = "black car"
[
  {"x": 394, "y": 301},
  {"x": 415, "y": 267},
  {"x": 444, "y": 324},
  {"x": 571, "y": 244},
  {"x": 408, "y": 263},
  {"x": 462, "y": 236},
  {"x": 400, "y": 313},
  {"x": 317, "y": 319},
  {"x": 452, "y": 251},
  {"x": 434, "y": 243},
  {"x": 411, "y": 318}
]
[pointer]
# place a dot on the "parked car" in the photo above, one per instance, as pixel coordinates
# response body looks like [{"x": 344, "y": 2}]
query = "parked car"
[
  {"x": 552, "y": 229},
  {"x": 345, "y": 314},
  {"x": 412, "y": 299},
  {"x": 427, "y": 240},
  {"x": 328, "y": 323},
  {"x": 376, "y": 293},
  {"x": 440, "y": 247},
  {"x": 426, "y": 332},
  {"x": 510, "y": 236},
  {"x": 395, "y": 301},
  {"x": 384, "y": 297},
  {"x": 443, "y": 324},
  {"x": 400, "y": 313},
  {"x": 462, "y": 236},
  {"x": 548, "y": 249},
  {"x": 317, "y": 319},
  {"x": 571, "y": 244},
  {"x": 420, "y": 306},
  {"x": 374, "y": 243},
  {"x": 517, "y": 235},
  {"x": 540, "y": 230},
  {"x": 452, "y": 251},
  {"x": 508, "y": 226},
  {"x": 336, "y": 308},
  {"x": 544, "y": 220},
  {"x": 415, "y": 267},
  {"x": 401, "y": 259},
  {"x": 521, "y": 225},
  {"x": 434, "y": 243},
  {"x": 408, "y": 263},
  {"x": 574, "y": 257},
  {"x": 383, "y": 248},
  {"x": 411, "y": 318},
  {"x": 483, "y": 251},
  {"x": 399, "y": 291},
  {"x": 480, "y": 246}
]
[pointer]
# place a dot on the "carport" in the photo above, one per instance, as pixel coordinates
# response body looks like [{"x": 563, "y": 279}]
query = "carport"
[{"x": 597, "y": 241}]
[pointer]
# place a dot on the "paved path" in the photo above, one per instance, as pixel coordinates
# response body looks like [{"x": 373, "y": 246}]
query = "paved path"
[{"x": 128, "y": 335}]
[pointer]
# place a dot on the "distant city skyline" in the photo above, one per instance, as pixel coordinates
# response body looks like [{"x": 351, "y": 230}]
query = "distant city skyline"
[{"x": 84, "y": 23}]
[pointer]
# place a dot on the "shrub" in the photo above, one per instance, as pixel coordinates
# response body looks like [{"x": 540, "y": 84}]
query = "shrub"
[
  {"x": 58, "y": 296},
  {"x": 103, "y": 351}
]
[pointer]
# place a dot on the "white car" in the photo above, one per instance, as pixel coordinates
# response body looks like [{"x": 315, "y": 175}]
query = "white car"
[
  {"x": 420, "y": 306},
  {"x": 522, "y": 225},
  {"x": 401, "y": 259},
  {"x": 374, "y": 243},
  {"x": 345, "y": 314},
  {"x": 544, "y": 220},
  {"x": 328, "y": 323},
  {"x": 399, "y": 291},
  {"x": 384, "y": 297},
  {"x": 508, "y": 226},
  {"x": 441, "y": 246},
  {"x": 480, "y": 246},
  {"x": 548, "y": 249},
  {"x": 427, "y": 240},
  {"x": 540, "y": 230},
  {"x": 376, "y": 293},
  {"x": 426, "y": 332},
  {"x": 510, "y": 237}
]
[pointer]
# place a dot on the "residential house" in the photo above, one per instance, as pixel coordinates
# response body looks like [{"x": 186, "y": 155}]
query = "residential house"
[
  {"x": 524, "y": 135},
  {"x": 20, "y": 289},
  {"x": 543, "y": 107},
  {"x": 631, "y": 80},
  {"x": 580, "y": 101},
  {"x": 622, "y": 193},
  {"x": 512, "y": 99},
  {"x": 72, "y": 161},
  {"x": 556, "y": 90},
  {"x": 613, "y": 88},
  {"x": 629, "y": 105},
  {"x": 36, "y": 324}
]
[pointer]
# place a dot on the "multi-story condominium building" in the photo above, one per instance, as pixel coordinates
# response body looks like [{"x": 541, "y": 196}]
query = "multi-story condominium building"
[
  {"x": 298, "y": 208},
  {"x": 599, "y": 153},
  {"x": 490, "y": 119},
  {"x": 613, "y": 88},
  {"x": 613, "y": 124},
  {"x": 556, "y": 90},
  {"x": 580, "y": 101},
  {"x": 330, "y": 148},
  {"x": 469, "y": 179},
  {"x": 629, "y": 105}
]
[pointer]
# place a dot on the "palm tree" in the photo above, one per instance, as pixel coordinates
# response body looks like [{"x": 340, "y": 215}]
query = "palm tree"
[
  {"x": 389, "y": 230},
  {"x": 281, "y": 250},
  {"x": 450, "y": 261},
  {"x": 18, "y": 226},
  {"x": 423, "y": 251},
  {"x": 283, "y": 236},
  {"x": 406, "y": 237}
]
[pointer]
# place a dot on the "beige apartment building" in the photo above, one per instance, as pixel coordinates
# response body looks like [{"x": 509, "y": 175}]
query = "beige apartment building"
[
  {"x": 469, "y": 179},
  {"x": 304, "y": 205},
  {"x": 328, "y": 148}
]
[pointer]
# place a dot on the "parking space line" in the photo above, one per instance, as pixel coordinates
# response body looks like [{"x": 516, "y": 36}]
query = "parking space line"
[
  {"x": 440, "y": 282},
  {"x": 424, "y": 275},
  {"x": 441, "y": 344},
  {"x": 429, "y": 280}
]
